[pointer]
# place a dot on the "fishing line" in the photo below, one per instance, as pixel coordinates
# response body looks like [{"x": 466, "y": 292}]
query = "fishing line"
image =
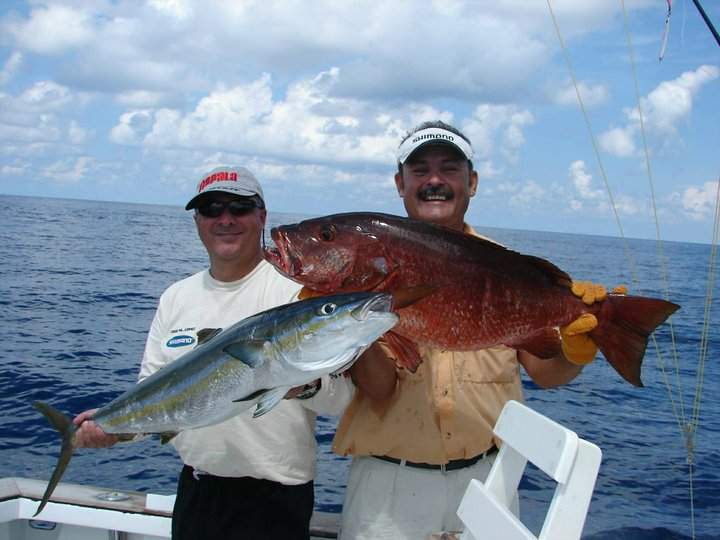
[
  {"x": 688, "y": 429},
  {"x": 704, "y": 339},
  {"x": 658, "y": 237},
  {"x": 626, "y": 247}
]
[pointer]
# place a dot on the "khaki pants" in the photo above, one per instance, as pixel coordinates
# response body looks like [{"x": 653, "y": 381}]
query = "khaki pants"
[{"x": 385, "y": 501}]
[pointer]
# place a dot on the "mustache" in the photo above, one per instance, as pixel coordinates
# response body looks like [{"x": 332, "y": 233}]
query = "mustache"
[{"x": 435, "y": 191}]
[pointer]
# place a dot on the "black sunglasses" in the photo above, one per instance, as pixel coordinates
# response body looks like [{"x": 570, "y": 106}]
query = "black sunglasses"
[{"x": 237, "y": 207}]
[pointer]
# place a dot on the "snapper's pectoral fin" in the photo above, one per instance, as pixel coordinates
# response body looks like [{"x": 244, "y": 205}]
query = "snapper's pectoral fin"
[
  {"x": 167, "y": 437},
  {"x": 408, "y": 296},
  {"x": 306, "y": 293},
  {"x": 406, "y": 352},
  {"x": 246, "y": 352},
  {"x": 206, "y": 334},
  {"x": 269, "y": 399},
  {"x": 544, "y": 343}
]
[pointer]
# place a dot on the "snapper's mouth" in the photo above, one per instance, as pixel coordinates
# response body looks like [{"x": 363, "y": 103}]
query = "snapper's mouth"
[{"x": 281, "y": 256}]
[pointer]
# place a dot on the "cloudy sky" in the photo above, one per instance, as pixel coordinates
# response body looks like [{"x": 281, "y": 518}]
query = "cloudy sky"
[{"x": 131, "y": 100}]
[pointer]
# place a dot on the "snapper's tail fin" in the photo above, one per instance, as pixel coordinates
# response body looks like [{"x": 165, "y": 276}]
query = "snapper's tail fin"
[
  {"x": 624, "y": 325},
  {"x": 67, "y": 430}
]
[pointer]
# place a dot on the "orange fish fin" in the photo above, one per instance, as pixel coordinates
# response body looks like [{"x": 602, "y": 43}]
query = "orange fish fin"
[
  {"x": 405, "y": 351},
  {"x": 624, "y": 325},
  {"x": 545, "y": 343},
  {"x": 308, "y": 293},
  {"x": 409, "y": 295}
]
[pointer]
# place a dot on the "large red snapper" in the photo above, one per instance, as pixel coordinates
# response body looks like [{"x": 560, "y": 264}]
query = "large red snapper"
[{"x": 482, "y": 294}]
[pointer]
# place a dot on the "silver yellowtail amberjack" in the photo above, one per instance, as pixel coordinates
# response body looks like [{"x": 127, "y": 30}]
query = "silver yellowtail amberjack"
[{"x": 252, "y": 363}]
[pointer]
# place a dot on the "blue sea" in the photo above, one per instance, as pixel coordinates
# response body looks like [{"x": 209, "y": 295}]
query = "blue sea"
[{"x": 80, "y": 282}]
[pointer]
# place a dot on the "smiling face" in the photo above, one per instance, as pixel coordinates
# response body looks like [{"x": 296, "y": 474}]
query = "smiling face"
[
  {"x": 436, "y": 184},
  {"x": 232, "y": 241}
]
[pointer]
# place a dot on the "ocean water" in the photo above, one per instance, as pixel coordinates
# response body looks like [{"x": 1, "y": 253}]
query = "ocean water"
[{"x": 80, "y": 281}]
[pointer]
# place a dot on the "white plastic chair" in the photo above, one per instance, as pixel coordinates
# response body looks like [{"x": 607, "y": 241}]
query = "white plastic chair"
[{"x": 529, "y": 436}]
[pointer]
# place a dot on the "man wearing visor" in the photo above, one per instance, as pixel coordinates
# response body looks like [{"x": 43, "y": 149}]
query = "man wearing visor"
[
  {"x": 245, "y": 477},
  {"x": 417, "y": 439}
]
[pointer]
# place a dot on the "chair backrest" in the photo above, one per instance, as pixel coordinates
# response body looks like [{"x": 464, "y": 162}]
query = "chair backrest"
[{"x": 529, "y": 436}]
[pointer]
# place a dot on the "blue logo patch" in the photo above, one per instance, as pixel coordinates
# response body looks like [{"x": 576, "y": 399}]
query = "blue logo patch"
[{"x": 180, "y": 341}]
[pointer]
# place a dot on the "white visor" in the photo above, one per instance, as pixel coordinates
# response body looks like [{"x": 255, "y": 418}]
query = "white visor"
[{"x": 433, "y": 136}]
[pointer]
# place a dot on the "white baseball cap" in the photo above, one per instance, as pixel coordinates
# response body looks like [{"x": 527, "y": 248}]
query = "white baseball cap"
[
  {"x": 234, "y": 180},
  {"x": 433, "y": 135}
]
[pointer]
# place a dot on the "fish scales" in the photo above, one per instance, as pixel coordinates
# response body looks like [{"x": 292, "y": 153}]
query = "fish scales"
[
  {"x": 252, "y": 363},
  {"x": 481, "y": 294}
]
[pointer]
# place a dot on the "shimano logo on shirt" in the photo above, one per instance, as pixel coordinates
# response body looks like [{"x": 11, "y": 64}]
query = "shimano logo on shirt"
[{"x": 180, "y": 341}]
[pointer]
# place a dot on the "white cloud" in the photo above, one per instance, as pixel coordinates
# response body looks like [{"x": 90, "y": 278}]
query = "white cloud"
[
  {"x": 699, "y": 202},
  {"x": 672, "y": 101},
  {"x": 582, "y": 180},
  {"x": 53, "y": 29},
  {"x": 76, "y": 134},
  {"x": 592, "y": 94},
  {"x": 45, "y": 96},
  {"x": 664, "y": 108},
  {"x": 179, "y": 9},
  {"x": 129, "y": 46},
  {"x": 68, "y": 170},
  {"x": 584, "y": 192},
  {"x": 132, "y": 127},
  {"x": 142, "y": 98},
  {"x": 528, "y": 195},
  {"x": 307, "y": 125},
  {"x": 627, "y": 205},
  {"x": 11, "y": 65},
  {"x": 33, "y": 115},
  {"x": 14, "y": 170},
  {"x": 491, "y": 125},
  {"x": 587, "y": 198},
  {"x": 618, "y": 141}
]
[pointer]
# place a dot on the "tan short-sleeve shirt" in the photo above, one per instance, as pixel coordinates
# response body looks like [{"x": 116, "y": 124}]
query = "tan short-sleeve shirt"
[{"x": 444, "y": 411}]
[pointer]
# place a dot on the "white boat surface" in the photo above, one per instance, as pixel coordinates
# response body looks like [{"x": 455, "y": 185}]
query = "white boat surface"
[
  {"x": 80, "y": 512},
  {"x": 76, "y": 512}
]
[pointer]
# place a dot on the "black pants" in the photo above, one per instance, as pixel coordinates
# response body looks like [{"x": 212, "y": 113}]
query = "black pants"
[{"x": 216, "y": 508}]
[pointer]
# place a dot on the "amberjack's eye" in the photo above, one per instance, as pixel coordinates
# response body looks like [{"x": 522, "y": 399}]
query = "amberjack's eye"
[
  {"x": 327, "y": 233},
  {"x": 327, "y": 309}
]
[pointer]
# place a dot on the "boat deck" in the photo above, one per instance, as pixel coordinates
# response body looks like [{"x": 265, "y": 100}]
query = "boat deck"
[{"x": 80, "y": 512}]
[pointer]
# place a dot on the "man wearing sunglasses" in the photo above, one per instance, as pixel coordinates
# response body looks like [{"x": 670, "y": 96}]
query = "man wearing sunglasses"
[{"x": 245, "y": 477}]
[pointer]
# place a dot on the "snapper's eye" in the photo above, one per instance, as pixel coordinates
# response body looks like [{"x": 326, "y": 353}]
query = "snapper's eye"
[
  {"x": 327, "y": 309},
  {"x": 327, "y": 233}
]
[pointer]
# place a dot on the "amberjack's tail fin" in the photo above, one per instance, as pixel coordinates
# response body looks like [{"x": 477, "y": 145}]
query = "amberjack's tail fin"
[
  {"x": 67, "y": 430},
  {"x": 624, "y": 325}
]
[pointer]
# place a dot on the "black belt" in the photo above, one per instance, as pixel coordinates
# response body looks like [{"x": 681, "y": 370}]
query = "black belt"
[{"x": 452, "y": 465}]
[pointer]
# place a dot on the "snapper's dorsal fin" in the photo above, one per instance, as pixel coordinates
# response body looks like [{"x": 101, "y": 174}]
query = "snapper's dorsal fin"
[
  {"x": 486, "y": 248},
  {"x": 206, "y": 334},
  {"x": 556, "y": 275}
]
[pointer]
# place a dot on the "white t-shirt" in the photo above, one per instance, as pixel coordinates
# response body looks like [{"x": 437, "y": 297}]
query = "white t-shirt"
[{"x": 279, "y": 445}]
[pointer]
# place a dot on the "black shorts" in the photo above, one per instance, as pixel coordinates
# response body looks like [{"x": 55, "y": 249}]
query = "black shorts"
[{"x": 217, "y": 508}]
